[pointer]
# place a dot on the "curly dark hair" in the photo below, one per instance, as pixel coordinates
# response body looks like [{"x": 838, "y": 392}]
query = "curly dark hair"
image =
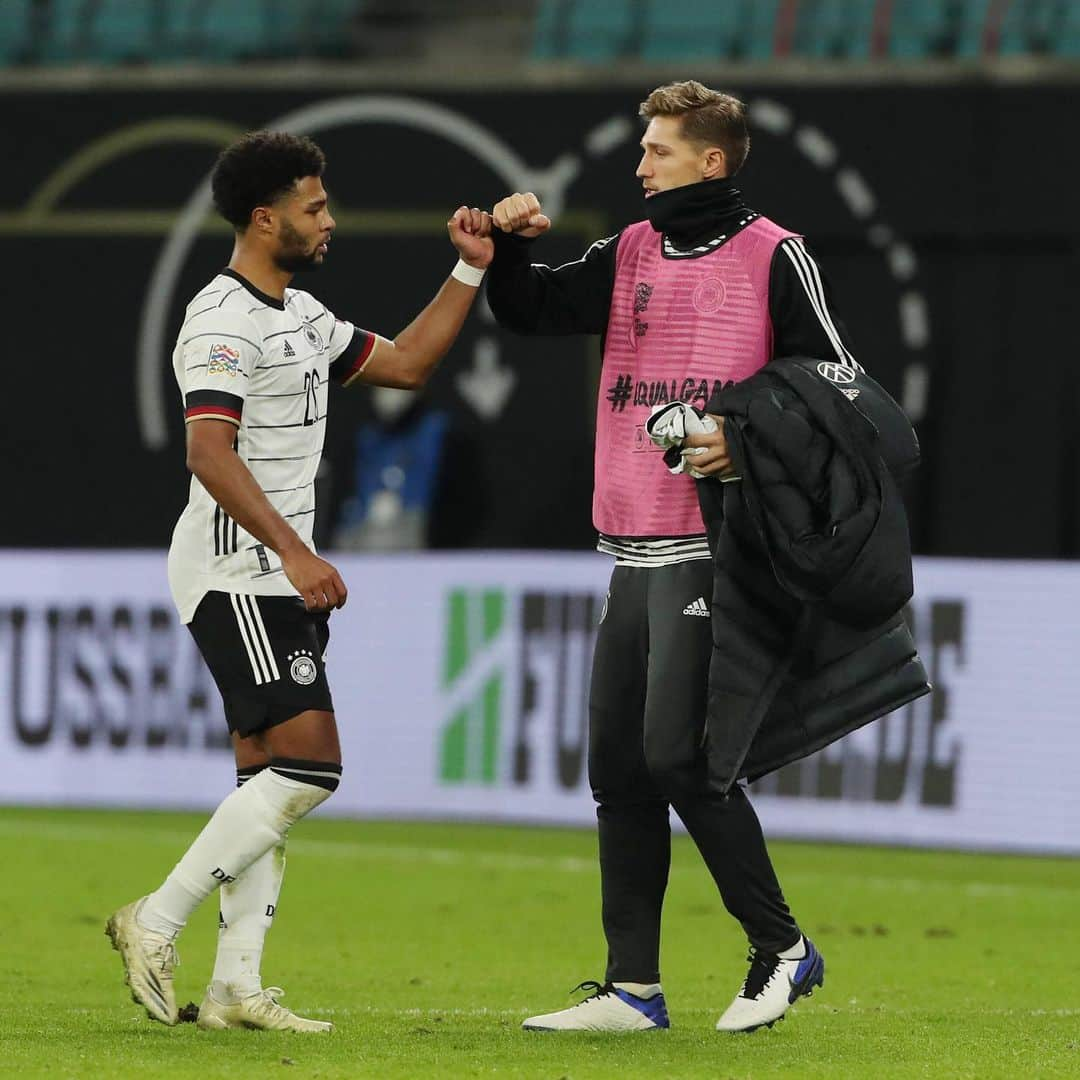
[{"x": 258, "y": 169}]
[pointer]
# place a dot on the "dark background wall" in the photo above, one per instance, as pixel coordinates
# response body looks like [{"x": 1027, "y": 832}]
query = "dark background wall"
[{"x": 944, "y": 215}]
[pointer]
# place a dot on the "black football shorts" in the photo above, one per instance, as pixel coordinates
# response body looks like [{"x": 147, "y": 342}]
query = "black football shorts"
[{"x": 266, "y": 656}]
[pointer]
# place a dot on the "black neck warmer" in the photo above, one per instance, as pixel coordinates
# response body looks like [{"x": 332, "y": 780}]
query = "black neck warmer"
[{"x": 695, "y": 213}]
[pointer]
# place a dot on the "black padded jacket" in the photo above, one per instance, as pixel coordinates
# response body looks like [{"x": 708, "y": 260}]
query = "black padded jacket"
[{"x": 811, "y": 567}]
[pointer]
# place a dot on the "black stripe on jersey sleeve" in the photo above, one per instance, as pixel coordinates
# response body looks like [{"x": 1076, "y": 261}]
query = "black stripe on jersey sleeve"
[
  {"x": 213, "y": 403},
  {"x": 355, "y": 355}
]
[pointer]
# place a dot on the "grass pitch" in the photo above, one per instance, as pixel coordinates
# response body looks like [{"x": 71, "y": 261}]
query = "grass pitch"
[{"x": 428, "y": 944}]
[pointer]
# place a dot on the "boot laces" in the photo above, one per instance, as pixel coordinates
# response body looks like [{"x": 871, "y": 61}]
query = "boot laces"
[
  {"x": 593, "y": 990},
  {"x": 267, "y": 1005},
  {"x": 763, "y": 967}
]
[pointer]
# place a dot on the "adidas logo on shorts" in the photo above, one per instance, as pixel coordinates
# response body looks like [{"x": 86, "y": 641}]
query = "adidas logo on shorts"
[{"x": 698, "y": 607}]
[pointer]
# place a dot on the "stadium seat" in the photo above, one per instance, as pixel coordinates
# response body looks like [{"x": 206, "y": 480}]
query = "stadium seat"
[
  {"x": 256, "y": 29},
  {"x": 547, "y": 43},
  {"x": 588, "y": 30},
  {"x": 180, "y": 34},
  {"x": 234, "y": 29},
  {"x": 66, "y": 34},
  {"x": 971, "y": 29},
  {"x": 288, "y": 28},
  {"x": 834, "y": 29},
  {"x": 758, "y": 38},
  {"x": 919, "y": 29},
  {"x": 691, "y": 30},
  {"x": 14, "y": 31},
  {"x": 1030, "y": 28},
  {"x": 123, "y": 31},
  {"x": 1067, "y": 38},
  {"x": 327, "y": 24}
]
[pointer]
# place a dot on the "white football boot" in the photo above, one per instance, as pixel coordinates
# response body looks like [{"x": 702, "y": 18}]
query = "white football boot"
[
  {"x": 149, "y": 960},
  {"x": 772, "y": 985},
  {"x": 260, "y": 1011},
  {"x": 607, "y": 1008}
]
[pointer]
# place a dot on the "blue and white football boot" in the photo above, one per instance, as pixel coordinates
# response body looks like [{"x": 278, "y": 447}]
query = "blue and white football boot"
[
  {"x": 607, "y": 1008},
  {"x": 772, "y": 985}
]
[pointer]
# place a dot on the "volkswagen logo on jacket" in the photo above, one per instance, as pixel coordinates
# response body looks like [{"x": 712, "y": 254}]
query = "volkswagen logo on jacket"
[{"x": 837, "y": 373}]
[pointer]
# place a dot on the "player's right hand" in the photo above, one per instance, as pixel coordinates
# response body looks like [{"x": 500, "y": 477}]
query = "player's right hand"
[
  {"x": 470, "y": 233},
  {"x": 708, "y": 454},
  {"x": 520, "y": 213},
  {"x": 318, "y": 583}
]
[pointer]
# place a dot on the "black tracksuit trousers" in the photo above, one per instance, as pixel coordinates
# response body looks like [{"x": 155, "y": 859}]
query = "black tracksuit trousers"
[{"x": 646, "y": 722}]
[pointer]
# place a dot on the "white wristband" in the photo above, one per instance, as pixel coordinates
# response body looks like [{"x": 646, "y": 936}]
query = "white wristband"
[{"x": 467, "y": 275}]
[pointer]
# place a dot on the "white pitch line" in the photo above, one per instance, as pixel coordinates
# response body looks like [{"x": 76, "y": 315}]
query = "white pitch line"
[
  {"x": 682, "y": 1011},
  {"x": 345, "y": 849},
  {"x": 349, "y": 849},
  {"x": 502, "y": 860},
  {"x": 677, "y": 1011},
  {"x": 936, "y": 1014},
  {"x": 427, "y": 1014}
]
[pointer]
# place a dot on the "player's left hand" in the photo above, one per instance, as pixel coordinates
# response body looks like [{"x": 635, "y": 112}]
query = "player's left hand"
[
  {"x": 713, "y": 459},
  {"x": 470, "y": 233}
]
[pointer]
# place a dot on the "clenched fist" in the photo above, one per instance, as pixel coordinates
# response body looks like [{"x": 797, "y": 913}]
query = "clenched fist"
[
  {"x": 470, "y": 233},
  {"x": 318, "y": 583},
  {"x": 520, "y": 213}
]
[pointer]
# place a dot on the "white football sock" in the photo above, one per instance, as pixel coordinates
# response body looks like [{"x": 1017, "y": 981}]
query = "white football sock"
[
  {"x": 639, "y": 990},
  {"x": 247, "y": 913},
  {"x": 251, "y": 821},
  {"x": 795, "y": 952}
]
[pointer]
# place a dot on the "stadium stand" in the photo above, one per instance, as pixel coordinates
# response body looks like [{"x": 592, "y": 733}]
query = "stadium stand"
[
  {"x": 586, "y": 32},
  {"x": 120, "y": 32},
  {"x": 593, "y": 31},
  {"x": 597, "y": 31},
  {"x": 1034, "y": 27},
  {"x": 14, "y": 30},
  {"x": 239, "y": 28},
  {"x": 694, "y": 29},
  {"x": 835, "y": 29},
  {"x": 59, "y": 35},
  {"x": 921, "y": 32}
]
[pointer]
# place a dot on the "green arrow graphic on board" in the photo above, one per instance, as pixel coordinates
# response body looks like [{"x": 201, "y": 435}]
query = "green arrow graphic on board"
[{"x": 473, "y": 682}]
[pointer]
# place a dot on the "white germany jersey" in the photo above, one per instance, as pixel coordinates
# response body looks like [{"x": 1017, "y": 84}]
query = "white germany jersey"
[{"x": 264, "y": 365}]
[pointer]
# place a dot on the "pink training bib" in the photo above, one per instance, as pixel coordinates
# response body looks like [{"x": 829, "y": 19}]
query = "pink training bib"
[{"x": 679, "y": 328}]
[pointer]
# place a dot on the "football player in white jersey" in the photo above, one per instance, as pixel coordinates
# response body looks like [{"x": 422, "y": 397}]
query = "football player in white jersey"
[{"x": 253, "y": 362}]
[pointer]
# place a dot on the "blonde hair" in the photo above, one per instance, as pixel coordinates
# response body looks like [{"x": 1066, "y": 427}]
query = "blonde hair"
[{"x": 709, "y": 118}]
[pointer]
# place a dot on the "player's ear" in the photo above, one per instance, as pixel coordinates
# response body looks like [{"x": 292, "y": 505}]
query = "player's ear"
[
  {"x": 263, "y": 220},
  {"x": 715, "y": 163}
]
